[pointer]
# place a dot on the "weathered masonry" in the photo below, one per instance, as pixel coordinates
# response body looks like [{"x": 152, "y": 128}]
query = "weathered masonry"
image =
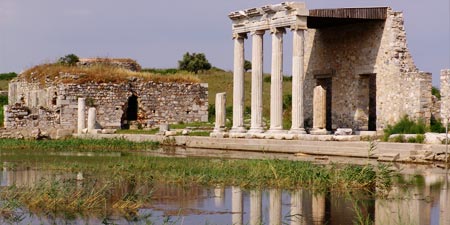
[
  {"x": 358, "y": 56},
  {"x": 141, "y": 103}
]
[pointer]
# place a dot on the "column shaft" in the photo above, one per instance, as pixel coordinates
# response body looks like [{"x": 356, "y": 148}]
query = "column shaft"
[
  {"x": 238, "y": 84},
  {"x": 92, "y": 114},
  {"x": 276, "y": 86},
  {"x": 236, "y": 206},
  {"x": 220, "y": 112},
  {"x": 257, "y": 82},
  {"x": 298, "y": 77},
  {"x": 81, "y": 115}
]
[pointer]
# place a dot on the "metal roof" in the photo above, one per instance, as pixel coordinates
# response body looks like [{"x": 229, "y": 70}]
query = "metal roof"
[{"x": 319, "y": 18}]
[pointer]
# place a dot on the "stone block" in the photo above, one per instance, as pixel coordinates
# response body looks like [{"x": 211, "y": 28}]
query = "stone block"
[
  {"x": 63, "y": 133},
  {"x": 389, "y": 157},
  {"x": 109, "y": 131},
  {"x": 343, "y": 131}
]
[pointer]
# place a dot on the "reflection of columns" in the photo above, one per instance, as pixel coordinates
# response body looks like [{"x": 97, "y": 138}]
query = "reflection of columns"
[
  {"x": 81, "y": 115},
  {"x": 257, "y": 82},
  {"x": 444, "y": 204},
  {"x": 238, "y": 84},
  {"x": 298, "y": 77},
  {"x": 236, "y": 206},
  {"x": 220, "y": 112},
  {"x": 318, "y": 209},
  {"x": 276, "y": 86},
  {"x": 255, "y": 207},
  {"x": 219, "y": 196},
  {"x": 297, "y": 217},
  {"x": 275, "y": 207}
]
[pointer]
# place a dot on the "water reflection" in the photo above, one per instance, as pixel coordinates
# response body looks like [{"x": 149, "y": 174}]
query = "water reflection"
[{"x": 426, "y": 202}]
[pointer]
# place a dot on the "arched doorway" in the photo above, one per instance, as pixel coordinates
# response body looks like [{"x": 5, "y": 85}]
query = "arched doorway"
[{"x": 130, "y": 111}]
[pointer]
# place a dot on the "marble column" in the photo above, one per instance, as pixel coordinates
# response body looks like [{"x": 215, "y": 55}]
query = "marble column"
[
  {"x": 298, "y": 78},
  {"x": 276, "y": 86},
  {"x": 238, "y": 84},
  {"x": 81, "y": 115},
  {"x": 220, "y": 112},
  {"x": 275, "y": 207},
  {"x": 236, "y": 206},
  {"x": 319, "y": 110},
  {"x": 255, "y": 207},
  {"x": 257, "y": 82},
  {"x": 297, "y": 215},
  {"x": 91, "y": 119}
]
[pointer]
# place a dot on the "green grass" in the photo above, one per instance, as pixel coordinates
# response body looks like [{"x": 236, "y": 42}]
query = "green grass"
[
  {"x": 405, "y": 126},
  {"x": 4, "y": 80},
  {"x": 221, "y": 81},
  {"x": 3, "y": 101},
  {"x": 77, "y": 145}
]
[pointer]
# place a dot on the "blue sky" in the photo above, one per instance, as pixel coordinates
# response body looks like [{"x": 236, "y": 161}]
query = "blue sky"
[{"x": 157, "y": 33}]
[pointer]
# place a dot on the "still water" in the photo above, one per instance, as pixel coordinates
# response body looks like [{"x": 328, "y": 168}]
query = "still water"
[{"x": 424, "y": 202}]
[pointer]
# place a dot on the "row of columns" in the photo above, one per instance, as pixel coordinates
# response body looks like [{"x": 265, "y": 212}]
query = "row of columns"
[
  {"x": 92, "y": 114},
  {"x": 276, "y": 89}
]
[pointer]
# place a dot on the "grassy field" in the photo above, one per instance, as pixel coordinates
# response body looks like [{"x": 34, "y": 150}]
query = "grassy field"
[{"x": 219, "y": 81}]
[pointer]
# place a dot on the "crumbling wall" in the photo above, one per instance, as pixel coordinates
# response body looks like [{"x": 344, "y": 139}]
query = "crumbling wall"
[
  {"x": 157, "y": 102},
  {"x": 351, "y": 53}
]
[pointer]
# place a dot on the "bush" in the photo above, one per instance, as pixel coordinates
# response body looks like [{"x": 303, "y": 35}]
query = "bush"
[
  {"x": 247, "y": 65},
  {"x": 405, "y": 126},
  {"x": 436, "y": 126},
  {"x": 7, "y": 76},
  {"x": 436, "y": 92},
  {"x": 194, "y": 63},
  {"x": 70, "y": 60}
]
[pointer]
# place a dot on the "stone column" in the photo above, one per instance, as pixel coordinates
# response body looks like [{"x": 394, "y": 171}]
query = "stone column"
[
  {"x": 275, "y": 207},
  {"x": 276, "y": 86},
  {"x": 238, "y": 84},
  {"x": 257, "y": 81},
  {"x": 81, "y": 115},
  {"x": 236, "y": 206},
  {"x": 91, "y": 119},
  {"x": 319, "y": 111},
  {"x": 297, "y": 215},
  {"x": 220, "y": 112},
  {"x": 445, "y": 95},
  {"x": 298, "y": 78},
  {"x": 255, "y": 207}
]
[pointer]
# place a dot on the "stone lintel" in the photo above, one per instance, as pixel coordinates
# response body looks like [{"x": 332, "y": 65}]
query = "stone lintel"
[
  {"x": 365, "y": 70},
  {"x": 287, "y": 14},
  {"x": 325, "y": 73}
]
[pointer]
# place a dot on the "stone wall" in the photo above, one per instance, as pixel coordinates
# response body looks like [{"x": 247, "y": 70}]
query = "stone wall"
[
  {"x": 57, "y": 105},
  {"x": 445, "y": 94},
  {"x": 349, "y": 54}
]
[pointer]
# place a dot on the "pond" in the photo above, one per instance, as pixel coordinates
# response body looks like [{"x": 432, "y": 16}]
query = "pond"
[{"x": 420, "y": 196}]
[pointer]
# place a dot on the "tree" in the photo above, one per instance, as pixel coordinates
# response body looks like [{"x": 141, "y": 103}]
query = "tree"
[
  {"x": 247, "y": 65},
  {"x": 194, "y": 62},
  {"x": 70, "y": 59}
]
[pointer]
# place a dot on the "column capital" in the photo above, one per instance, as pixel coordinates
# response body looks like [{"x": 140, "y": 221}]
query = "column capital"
[
  {"x": 258, "y": 32},
  {"x": 296, "y": 27},
  {"x": 239, "y": 35},
  {"x": 276, "y": 30}
]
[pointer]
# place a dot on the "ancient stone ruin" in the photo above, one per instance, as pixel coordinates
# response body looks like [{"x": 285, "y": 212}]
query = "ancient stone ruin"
[
  {"x": 51, "y": 104},
  {"x": 358, "y": 56}
]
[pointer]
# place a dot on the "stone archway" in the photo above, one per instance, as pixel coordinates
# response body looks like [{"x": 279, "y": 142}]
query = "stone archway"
[{"x": 130, "y": 111}]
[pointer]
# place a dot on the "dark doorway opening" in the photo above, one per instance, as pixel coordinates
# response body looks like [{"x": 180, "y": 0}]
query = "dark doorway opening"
[
  {"x": 132, "y": 109},
  {"x": 372, "y": 102},
  {"x": 326, "y": 83}
]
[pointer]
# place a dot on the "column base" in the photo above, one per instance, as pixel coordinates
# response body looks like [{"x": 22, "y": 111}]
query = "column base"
[
  {"x": 256, "y": 130},
  {"x": 318, "y": 131},
  {"x": 238, "y": 130},
  {"x": 276, "y": 131},
  {"x": 297, "y": 131}
]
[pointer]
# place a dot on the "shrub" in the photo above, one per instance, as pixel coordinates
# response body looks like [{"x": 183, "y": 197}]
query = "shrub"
[
  {"x": 160, "y": 71},
  {"x": 247, "y": 65},
  {"x": 7, "y": 76},
  {"x": 194, "y": 62},
  {"x": 70, "y": 60},
  {"x": 436, "y": 92},
  {"x": 436, "y": 126},
  {"x": 405, "y": 126}
]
